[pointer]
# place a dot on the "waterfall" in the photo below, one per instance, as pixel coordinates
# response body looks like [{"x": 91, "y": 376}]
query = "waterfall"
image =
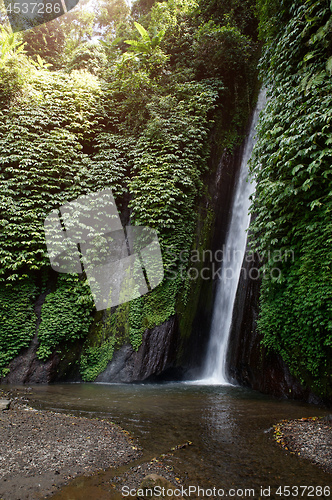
[{"x": 233, "y": 254}]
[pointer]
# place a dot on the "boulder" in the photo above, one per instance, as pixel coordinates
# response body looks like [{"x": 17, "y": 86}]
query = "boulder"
[
  {"x": 4, "y": 404},
  {"x": 154, "y": 487}
]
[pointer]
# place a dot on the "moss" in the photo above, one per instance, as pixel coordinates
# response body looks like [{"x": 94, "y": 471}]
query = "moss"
[
  {"x": 190, "y": 293},
  {"x": 108, "y": 332},
  {"x": 152, "y": 310}
]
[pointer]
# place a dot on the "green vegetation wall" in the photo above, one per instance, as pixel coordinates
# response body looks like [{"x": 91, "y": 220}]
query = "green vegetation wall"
[
  {"x": 133, "y": 112},
  {"x": 293, "y": 203}
]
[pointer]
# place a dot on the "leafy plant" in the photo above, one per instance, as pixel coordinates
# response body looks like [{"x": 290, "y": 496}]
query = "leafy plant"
[
  {"x": 66, "y": 315},
  {"x": 293, "y": 203},
  {"x": 147, "y": 44},
  {"x": 40, "y": 63},
  {"x": 10, "y": 45},
  {"x": 17, "y": 320}
]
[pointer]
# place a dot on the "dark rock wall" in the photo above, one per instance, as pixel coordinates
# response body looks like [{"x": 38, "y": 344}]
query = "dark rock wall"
[
  {"x": 249, "y": 363},
  {"x": 28, "y": 369},
  {"x": 165, "y": 353},
  {"x": 155, "y": 356},
  {"x": 221, "y": 186}
]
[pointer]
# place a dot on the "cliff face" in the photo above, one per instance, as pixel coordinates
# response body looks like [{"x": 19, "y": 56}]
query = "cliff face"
[
  {"x": 155, "y": 357},
  {"x": 153, "y": 129},
  {"x": 175, "y": 349},
  {"x": 169, "y": 353},
  {"x": 172, "y": 350},
  {"x": 249, "y": 363}
]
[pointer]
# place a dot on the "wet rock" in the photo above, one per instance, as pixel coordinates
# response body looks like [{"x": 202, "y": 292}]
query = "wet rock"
[
  {"x": 4, "y": 404},
  {"x": 154, "y": 486},
  {"x": 156, "y": 354},
  {"x": 27, "y": 368},
  {"x": 249, "y": 363}
]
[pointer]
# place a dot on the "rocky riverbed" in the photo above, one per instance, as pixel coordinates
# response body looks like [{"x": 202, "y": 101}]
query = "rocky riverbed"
[
  {"x": 43, "y": 450},
  {"x": 309, "y": 438}
]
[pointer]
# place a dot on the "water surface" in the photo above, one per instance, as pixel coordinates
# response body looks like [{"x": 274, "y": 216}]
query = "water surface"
[{"x": 230, "y": 427}]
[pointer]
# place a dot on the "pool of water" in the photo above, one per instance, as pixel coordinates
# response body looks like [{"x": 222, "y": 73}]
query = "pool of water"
[{"x": 230, "y": 428}]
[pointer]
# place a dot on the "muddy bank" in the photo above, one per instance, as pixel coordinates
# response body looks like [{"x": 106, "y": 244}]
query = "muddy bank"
[
  {"x": 309, "y": 438},
  {"x": 43, "y": 450}
]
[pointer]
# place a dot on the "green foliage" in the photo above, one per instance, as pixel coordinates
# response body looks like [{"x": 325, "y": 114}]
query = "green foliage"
[
  {"x": 17, "y": 320},
  {"x": 112, "y": 164},
  {"x": 165, "y": 167},
  {"x": 14, "y": 66},
  {"x": 293, "y": 202},
  {"x": 142, "y": 7},
  {"x": 78, "y": 26},
  {"x": 48, "y": 41},
  {"x": 171, "y": 160},
  {"x": 147, "y": 44},
  {"x": 10, "y": 46},
  {"x": 87, "y": 56},
  {"x": 138, "y": 123},
  {"x": 42, "y": 164},
  {"x": 273, "y": 15},
  {"x": 40, "y": 63},
  {"x": 94, "y": 360},
  {"x": 236, "y": 13},
  {"x": 130, "y": 84},
  {"x": 66, "y": 315},
  {"x": 224, "y": 52},
  {"x": 152, "y": 310},
  {"x": 109, "y": 331},
  {"x": 111, "y": 13},
  {"x": 12, "y": 76}
]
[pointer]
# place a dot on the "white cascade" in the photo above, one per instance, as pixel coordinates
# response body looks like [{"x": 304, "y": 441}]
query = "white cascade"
[{"x": 233, "y": 254}]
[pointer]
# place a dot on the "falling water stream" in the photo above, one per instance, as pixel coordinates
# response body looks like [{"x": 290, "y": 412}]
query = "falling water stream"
[{"x": 233, "y": 253}]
